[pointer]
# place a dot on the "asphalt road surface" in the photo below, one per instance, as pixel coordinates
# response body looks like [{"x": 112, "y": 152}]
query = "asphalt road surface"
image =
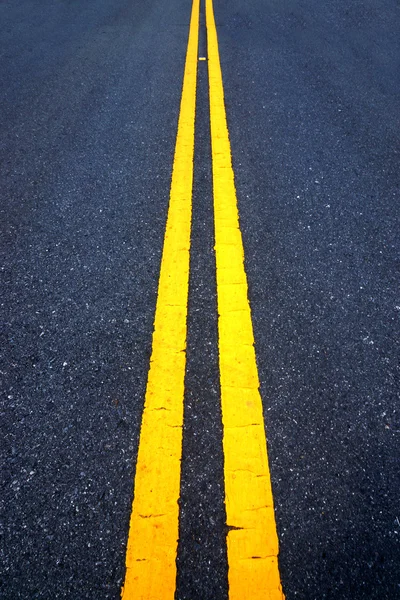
[{"x": 90, "y": 94}]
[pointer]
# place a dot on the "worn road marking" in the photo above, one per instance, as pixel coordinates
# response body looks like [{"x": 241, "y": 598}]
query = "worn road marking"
[
  {"x": 153, "y": 530},
  {"x": 252, "y": 541}
]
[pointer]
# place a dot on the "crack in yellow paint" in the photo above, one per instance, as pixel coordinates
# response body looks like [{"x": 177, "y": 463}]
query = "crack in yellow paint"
[
  {"x": 153, "y": 530},
  {"x": 252, "y": 544}
]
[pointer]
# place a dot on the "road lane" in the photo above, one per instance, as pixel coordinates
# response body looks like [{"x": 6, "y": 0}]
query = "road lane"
[
  {"x": 86, "y": 155},
  {"x": 312, "y": 95}
]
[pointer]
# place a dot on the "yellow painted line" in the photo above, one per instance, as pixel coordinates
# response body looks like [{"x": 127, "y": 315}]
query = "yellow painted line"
[
  {"x": 252, "y": 542},
  {"x": 153, "y": 530}
]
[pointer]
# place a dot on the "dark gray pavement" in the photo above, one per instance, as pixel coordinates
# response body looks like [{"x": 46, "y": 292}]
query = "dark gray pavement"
[
  {"x": 89, "y": 100},
  {"x": 313, "y": 102},
  {"x": 90, "y": 94}
]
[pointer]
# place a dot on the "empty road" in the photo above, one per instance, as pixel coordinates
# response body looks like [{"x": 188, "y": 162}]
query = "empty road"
[{"x": 200, "y": 238}]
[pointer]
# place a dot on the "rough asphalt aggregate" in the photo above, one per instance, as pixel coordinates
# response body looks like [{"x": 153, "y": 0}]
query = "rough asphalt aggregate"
[{"x": 89, "y": 99}]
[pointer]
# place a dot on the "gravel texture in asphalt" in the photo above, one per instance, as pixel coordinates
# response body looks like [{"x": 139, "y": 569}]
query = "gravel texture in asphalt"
[{"x": 90, "y": 99}]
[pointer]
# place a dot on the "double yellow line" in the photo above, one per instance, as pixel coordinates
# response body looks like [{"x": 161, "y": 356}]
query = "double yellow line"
[{"x": 252, "y": 543}]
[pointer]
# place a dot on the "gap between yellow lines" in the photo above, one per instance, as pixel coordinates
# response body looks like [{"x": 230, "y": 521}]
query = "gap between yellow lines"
[
  {"x": 252, "y": 541},
  {"x": 153, "y": 530}
]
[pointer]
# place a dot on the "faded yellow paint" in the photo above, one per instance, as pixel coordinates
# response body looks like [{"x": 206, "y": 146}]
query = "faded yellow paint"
[
  {"x": 252, "y": 541},
  {"x": 153, "y": 530}
]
